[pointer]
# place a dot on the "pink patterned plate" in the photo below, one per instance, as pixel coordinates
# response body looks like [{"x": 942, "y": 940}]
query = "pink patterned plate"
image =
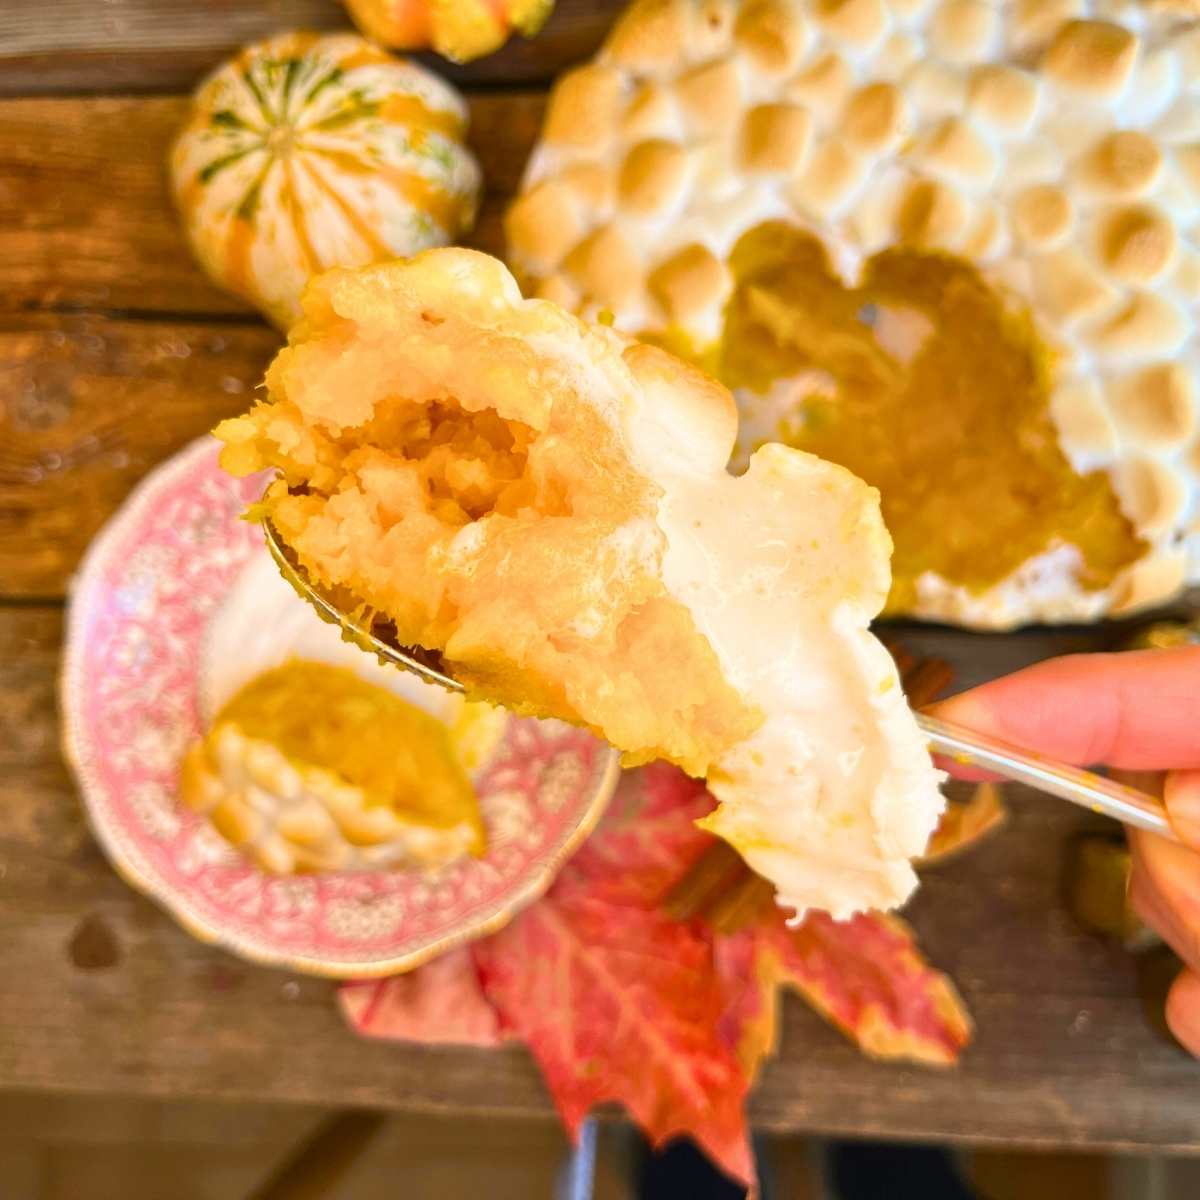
[{"x": 175, "y": 605}]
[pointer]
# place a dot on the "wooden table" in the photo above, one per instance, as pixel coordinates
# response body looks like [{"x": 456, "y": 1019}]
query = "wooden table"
[{"x": 115, "y": 351}]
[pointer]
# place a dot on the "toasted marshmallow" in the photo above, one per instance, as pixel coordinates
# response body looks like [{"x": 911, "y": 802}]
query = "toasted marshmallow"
[{"x": 1053, "y": 146}]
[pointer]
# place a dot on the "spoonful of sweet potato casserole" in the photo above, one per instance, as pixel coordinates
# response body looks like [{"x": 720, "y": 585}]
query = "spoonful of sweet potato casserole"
[{"x": 543, "y": 506}]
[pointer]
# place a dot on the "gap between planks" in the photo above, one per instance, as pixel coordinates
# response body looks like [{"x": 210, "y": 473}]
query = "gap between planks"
[
  {"x": 86, "y": 218},
  {"x": 80, "y": 47}
]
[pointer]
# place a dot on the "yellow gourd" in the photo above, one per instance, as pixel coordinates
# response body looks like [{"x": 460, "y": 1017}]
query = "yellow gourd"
[
  {"x": 307, "y": 152},
  {"x": 458, "y": 29}
]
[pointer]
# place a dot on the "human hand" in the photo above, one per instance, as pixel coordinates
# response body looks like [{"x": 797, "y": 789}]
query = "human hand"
[{"x": 1140, "y": 711}]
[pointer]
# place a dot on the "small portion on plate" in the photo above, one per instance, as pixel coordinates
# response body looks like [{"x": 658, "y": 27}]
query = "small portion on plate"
[
  {"x": 175, "y": 608},
  {"x": 309, "y": 767}
]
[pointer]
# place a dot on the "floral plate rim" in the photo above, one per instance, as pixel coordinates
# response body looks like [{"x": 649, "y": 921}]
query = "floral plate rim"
[{"x": 86, "y": 585}]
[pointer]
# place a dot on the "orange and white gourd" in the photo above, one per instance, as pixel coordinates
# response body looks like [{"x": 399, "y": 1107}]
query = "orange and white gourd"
[
  {"x": 458, "y": 29},
  {"x": 307, "y": 152}
]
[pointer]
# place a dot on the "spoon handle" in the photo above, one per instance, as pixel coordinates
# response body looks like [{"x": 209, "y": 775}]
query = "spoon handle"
[
  {"x": 1080, "y": 787},
  {"x": 1084, "y": 788}
]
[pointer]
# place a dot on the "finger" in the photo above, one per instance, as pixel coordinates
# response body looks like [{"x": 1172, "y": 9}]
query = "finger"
[
  {"x": 1182, "y": 799},
  {"x": 1165, "y": 892},
  {"x": 1183, "y": 1010},
  {"x": 1135, "y": 710}
]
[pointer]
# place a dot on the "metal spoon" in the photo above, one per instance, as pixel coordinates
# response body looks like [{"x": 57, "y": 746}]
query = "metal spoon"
[{"x": 1084, "y": 788}]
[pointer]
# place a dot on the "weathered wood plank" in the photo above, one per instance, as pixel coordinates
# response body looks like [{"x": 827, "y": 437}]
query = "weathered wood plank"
[
  {"x": 1063, "y": 1055},
  {"x": 90, "y": 402},
  {"x": 167, "y": 45},
  {"x": 62, "y": 1121},
  {"x": 86, "y": 220},
  {"x": 87, "y": 405}
]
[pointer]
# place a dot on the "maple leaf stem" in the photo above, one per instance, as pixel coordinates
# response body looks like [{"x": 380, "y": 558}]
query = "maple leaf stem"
[
  {"x": 748, "y": 902},
  {"x": 714, "y": 873}
]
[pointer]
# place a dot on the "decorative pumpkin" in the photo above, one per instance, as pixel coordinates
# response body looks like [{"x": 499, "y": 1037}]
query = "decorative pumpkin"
[
  {"x": 950, "y": 244},
  {"x": 456, "y": 29},
  {"x": 308, "y": 152}
]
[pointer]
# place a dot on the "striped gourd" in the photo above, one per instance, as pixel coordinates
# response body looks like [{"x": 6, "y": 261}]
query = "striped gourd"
[{"x": 307, "y": 152}]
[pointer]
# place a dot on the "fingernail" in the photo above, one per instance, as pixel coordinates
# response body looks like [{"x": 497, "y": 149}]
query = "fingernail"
[
  {"x": 959, "y": 705},
  {"x": 1182, "y": 798}
]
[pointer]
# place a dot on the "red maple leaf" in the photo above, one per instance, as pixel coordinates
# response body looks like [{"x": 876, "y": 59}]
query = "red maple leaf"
[
  {"x": 621, "y": 1003},
  {"x": 749, "y": 1023},
  {"x": 617, "y": 1000},
  {"x": 440, "y": 1003},
  {"x": 865, "y": 975},
  {"x": 647, "y": 839},
  {"x": 620, "y": 1000}
]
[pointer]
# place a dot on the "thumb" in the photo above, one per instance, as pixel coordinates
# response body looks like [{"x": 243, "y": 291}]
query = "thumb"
[
  {"x": 1134, "y": 710},
  {"x": 1181, "y": 796},
  {"x": 1183, "y": 1010}
]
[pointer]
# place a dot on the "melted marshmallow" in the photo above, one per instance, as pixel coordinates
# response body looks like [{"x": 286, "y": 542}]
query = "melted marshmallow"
[{"x": 782, "y": 570}]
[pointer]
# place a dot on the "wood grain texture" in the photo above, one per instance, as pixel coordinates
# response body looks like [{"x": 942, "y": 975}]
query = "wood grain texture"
[
  {"x": 69, "y": 1147},
  {"x": 85, "y": 216},
  {"x": 89, "y": 402},
  {"x": 88, "y": 405},
  {"x": 1062, "y": 1057},
  {"x": 86, "y": 220},
  {"x": 167, "y": 45}
]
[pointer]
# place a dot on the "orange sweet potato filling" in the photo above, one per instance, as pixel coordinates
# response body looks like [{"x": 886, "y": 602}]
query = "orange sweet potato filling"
[
  {"x": 328, "y": 717},
  {"x": 439, "y": 474},
  {"x": 958, "y": 437}
]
